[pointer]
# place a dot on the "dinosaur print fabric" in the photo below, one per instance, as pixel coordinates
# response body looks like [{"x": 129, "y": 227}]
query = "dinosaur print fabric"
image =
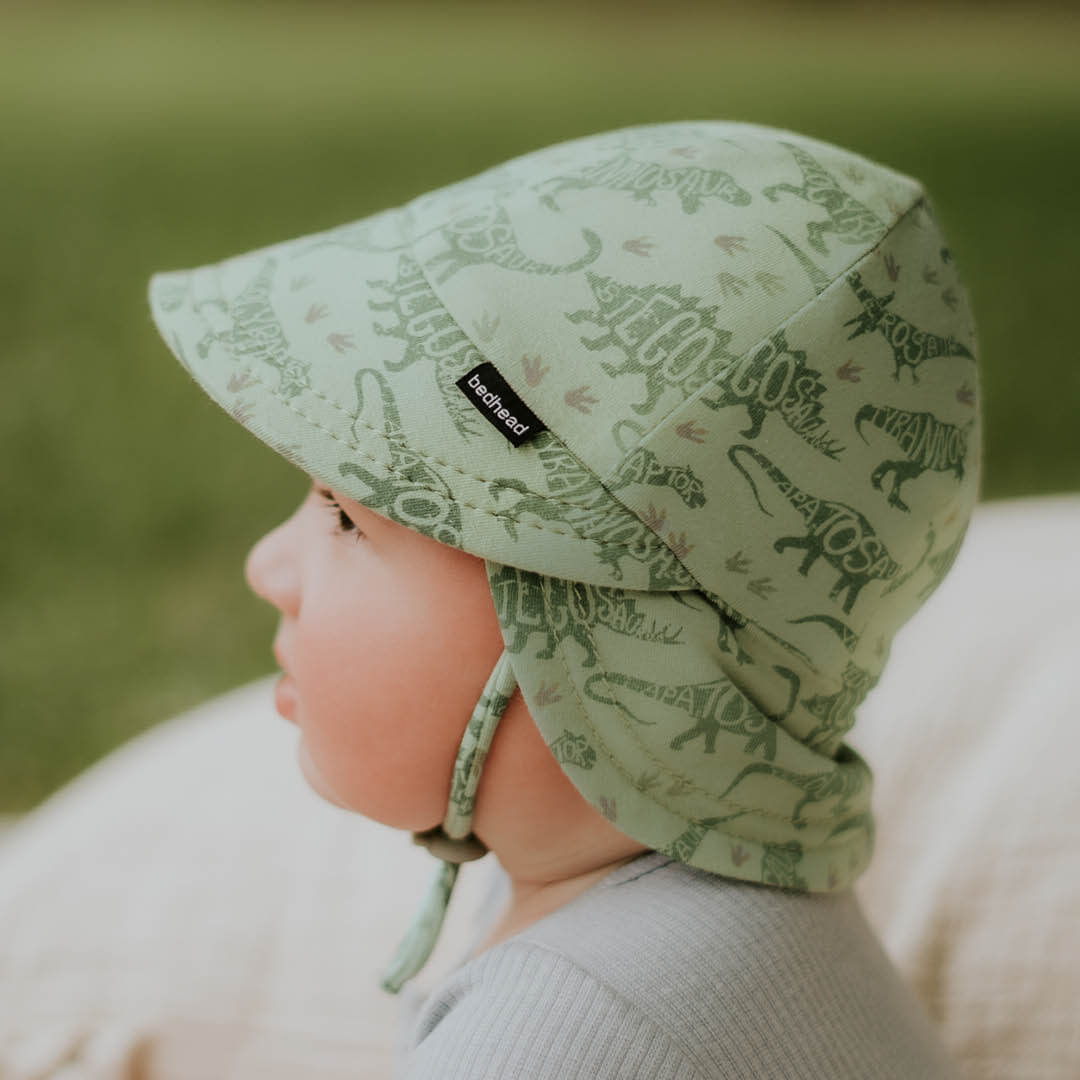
[{"x": 756, "y": 368}]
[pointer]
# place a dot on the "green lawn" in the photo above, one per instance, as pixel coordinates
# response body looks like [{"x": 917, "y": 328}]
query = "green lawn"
[{"x": 146, "y": 139}]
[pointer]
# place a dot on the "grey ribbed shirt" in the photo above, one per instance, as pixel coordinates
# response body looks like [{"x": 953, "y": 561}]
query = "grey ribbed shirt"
[{"x": 665, "y": 972}]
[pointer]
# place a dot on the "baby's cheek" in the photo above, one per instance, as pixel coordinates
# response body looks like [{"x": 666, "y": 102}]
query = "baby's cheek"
[{"x": 379, "y": 736}]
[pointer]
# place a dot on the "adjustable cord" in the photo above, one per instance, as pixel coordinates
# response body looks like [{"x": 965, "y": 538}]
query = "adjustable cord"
[{"x": 453, "y": 842}]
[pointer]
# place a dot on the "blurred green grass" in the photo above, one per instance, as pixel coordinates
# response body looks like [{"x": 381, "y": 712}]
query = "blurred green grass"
[{"x": 142, "y": 139}]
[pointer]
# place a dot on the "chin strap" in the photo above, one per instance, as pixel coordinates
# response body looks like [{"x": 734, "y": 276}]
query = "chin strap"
[{"x": 453, "y": 842}]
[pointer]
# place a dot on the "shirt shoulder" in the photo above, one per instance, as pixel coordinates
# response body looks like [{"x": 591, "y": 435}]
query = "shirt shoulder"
[
  {"x": 720, "y": 977},
  {"x": 524, "y": 1011}
]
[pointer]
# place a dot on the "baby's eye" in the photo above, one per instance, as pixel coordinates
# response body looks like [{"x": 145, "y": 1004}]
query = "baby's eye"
[{"x": 344, "y": 522}]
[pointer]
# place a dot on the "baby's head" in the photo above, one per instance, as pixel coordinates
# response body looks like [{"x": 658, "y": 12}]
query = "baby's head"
[
  {"x": 386, "y": 640},
  {"x": 671, "y": 428}
]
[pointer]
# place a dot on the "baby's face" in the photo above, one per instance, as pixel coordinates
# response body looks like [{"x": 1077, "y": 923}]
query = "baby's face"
[{"x": 386, "y": 640}]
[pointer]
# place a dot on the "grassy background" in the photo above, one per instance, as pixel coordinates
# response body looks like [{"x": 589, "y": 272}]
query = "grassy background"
[{"x": 147, "y": 137}]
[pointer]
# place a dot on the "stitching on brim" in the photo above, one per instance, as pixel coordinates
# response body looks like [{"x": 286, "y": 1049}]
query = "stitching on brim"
[
  {"x": 509, "y": 515},
  {"x": 658, "y": 544},
  {"x": 655, "y": 545}
]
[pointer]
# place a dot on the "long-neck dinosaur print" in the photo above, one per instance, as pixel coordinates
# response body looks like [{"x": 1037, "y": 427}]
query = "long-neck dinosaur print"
[
  {"x": 847, "y": 636},
  {"x": 575, "y": 609},
  {"x": 819, "y": 280},
  {"x": 489, "y": 238},
  {"x": 715, "y": 707},
  {"x": 586, "y": 508},
  {"x": 643, "y": 179},
  {"x": 925, "y": 442},
  {"x": 250, "y": 329},
  {"x": 834, "y": 531},
  {"x": 911, "y": 346},
  {"x": 815, "y": 787},
  {"x": 670, "y": 339},
  {"x": 430, "y": 335},
  {"x": 850, "y": 221},
  {"x": 775, "y": 378},
  {"x": 414, "y": 494}
]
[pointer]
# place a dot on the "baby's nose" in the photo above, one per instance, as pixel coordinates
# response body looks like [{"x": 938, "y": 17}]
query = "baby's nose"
[{"x": 271, "y": 571}]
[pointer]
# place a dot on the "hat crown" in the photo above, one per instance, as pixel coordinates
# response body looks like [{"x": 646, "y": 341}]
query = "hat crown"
[{"x": 718, "y": 322}]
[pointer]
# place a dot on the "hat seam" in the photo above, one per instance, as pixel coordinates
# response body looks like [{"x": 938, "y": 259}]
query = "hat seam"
[
  {"x": 919, "y": 200},
  {"x": 658, "y": 542},
  {"x": 757, "y": 811},
  {"x": 509, "y": 515},
  {"x": 605, "y": 480}
]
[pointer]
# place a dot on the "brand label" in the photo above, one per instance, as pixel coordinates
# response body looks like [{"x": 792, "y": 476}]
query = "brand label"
[{"x": 491, "y": 395}]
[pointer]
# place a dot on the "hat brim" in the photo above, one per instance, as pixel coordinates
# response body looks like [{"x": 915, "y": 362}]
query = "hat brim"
[{"x": 336, "y": 352}]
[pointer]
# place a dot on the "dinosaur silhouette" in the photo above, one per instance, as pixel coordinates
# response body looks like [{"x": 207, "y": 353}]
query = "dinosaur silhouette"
[
  {"x": 572, "y": 610},
  {"x": 775, "y": 378},
  {"x": 715, "y": 706},
  {"x": 670, "y": 339},
  {"x": 839, "y": 784},
  {"x": 570, "y": 749},
  {"x": 835, "y": 531},
  {"x": 587, "y": 509},
  {"x": 835, "y": 712},
  {"x": 844, "y": 632},
  {"x": 431, "y": 336},
  {"x": 642, "y": 466},
  {"x": 850, "y": 221},
  {"x": 728, "y": 621},
  {"x": 249, "y": 328},
  {"x": 488, "y": 237},
  {"x": 926, "y": 442},
  {"x": 911, "y": 346},
  {"x": 414, "y": 494},
  {"x": 643, "y": 179},
  {"x": 686, "y": 843},
  {"x": 819, "y": 280},
  {"x": 779, "y": 865}
]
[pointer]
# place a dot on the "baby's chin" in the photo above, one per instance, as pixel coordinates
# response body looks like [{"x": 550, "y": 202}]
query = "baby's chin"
[
  {"x": 316, "y": 781},
  {"x": 395, "y": 814}
]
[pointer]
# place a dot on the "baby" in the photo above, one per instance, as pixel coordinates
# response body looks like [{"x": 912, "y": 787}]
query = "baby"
[{"x": 628, "y": 457}]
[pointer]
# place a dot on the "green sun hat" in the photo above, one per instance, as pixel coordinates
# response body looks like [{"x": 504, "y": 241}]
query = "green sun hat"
[{"x": 703, "y": 395}]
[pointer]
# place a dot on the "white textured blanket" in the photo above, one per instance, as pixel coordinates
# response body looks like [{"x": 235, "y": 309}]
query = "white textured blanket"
[{"x": 189, "y": 910}]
